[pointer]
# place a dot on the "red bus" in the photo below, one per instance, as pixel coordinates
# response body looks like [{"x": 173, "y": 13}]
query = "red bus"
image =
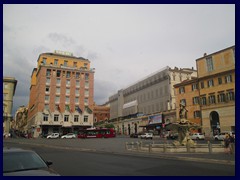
[{"x": 97, "y": 133}]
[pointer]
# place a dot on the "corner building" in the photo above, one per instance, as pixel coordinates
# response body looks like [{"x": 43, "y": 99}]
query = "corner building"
[
  {"x": 216, "y": 76},
  {"x": 61, "y": 94}
]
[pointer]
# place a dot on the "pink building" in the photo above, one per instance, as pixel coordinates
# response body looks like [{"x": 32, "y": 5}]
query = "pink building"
[{"x": 61, "y": 94}]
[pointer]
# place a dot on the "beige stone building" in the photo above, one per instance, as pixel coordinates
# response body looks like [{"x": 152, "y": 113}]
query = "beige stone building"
[
  {"x": 9, "y": 87},
  {"x": 149, "y": 103},
  {"x": 216, "y": 76}
]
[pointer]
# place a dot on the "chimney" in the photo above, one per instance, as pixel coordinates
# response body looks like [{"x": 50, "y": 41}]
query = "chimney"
[{"x": 205, "y": 54}]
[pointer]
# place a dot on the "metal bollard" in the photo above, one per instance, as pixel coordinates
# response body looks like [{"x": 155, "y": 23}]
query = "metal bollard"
[
  {"x": 188, "y": 146},
  {"x": 126, "y": 145},
  {"x": 150, "y": 148},
  {"x": 164, "y": 147},
  {"x": 210, "y": 147}
]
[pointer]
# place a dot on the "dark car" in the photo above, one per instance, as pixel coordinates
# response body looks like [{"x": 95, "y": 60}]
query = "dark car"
[
  {"x": 172, "y": 136},
  {"x": 134, "y": 135},
  {"x": 20, "y": 162}
]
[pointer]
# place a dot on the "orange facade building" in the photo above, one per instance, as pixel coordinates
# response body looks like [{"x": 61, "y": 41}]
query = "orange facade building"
[
  {"x": 216, "y": 76},
  {"x": 187, "y": 92},
  {"x": 61, "y": 94}
]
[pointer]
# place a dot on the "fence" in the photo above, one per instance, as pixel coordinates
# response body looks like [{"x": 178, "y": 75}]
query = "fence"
[{"x": 164, "y": 148}]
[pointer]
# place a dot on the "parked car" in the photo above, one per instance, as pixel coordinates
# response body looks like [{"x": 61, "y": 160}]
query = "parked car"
[
  {"x": 20, "y": 162},
  {"x": 69, "y": 136},
  {"x": 134, "y": 135},
  {"x": 221, "y": 136},
  {"x": 172, "y": 136},
  {"x": 197, "y": 136},
  {"x": 53, "y": 136},
  {"x": 146, "y": 136}
]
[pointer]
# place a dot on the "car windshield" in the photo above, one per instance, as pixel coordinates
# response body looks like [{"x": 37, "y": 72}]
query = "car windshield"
[{"x": 21, "y": 161}]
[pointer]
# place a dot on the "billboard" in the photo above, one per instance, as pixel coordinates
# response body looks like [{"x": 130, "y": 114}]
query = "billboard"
[{"x": 155, "y": 119}]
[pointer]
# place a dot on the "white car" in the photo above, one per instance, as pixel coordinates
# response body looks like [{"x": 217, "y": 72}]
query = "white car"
[
  {"x": 147, "y": 136},
  {"x": 222, "y": 135},
  {"x": 197, "y": 136},
  {"x": 53, "y": 136},
  {"x": 69, "y": 136}
]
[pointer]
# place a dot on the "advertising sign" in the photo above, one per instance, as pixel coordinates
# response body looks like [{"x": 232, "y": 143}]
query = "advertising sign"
[{"x": 155, "y": 119}]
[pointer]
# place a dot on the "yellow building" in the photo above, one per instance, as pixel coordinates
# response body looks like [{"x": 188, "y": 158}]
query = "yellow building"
[
  {"x": 9, "y": 87},
  {"x": 216, "y": 76},
  {"x": 187, "y": 92}
]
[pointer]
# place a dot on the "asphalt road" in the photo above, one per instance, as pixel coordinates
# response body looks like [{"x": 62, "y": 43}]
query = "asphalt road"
[{"x": 68, "y": 162}]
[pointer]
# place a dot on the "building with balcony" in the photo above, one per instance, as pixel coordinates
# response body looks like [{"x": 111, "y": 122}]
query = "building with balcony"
[
  {"x": 61, "y": 94},
  {"x": 9, "y": 87},
  {"x": 216, "y": 76},
  {"x": 148, "y": 102}
]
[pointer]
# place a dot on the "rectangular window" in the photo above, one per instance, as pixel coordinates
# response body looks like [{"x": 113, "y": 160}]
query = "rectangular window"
[
  {"x": 58, "y": 73},
  {"x": 75, "y": 64},
  {"x": 56, "y": 117},
  {"x": 47, "y": 90},
  {"x": 195, "y": 100},
  {"x": 86, "y": 101},
  {"x": 221, "y": 97},
  {"x": 211, "y": 99},
  {"x": 68, "y": 74},
  {"x": 45, "y": 117},
  {"x": 203, "y": 100},
  {"x": 55, "y": 62},
  {"x": 76, "y": 100},
  {"x": 77, "y": 75},
  {"x": 230, "y": 96},
  {"x": 68, "y": 82},
  {"x": 210, "y": 83},
  {"x": 85, "y": 119},
  {"x": 228, "y": 79},
  {"x": 67, "y": 99},
  {"x": 58, "y": 90},
  {"x": 65, "y": 63},
  {"x": 76, "y": 117},
  {"x": 77, "y": 92},
  {"x": 197, "y": 114},
  {"x": 219, "y": 80},
  {"x": 181, "y": 90},
  {"x": 48, "y": 80},
  {"x": 58, "y": 81},
  {"x": 57, "y": 99},
  {"x": 77, "y": 83},
  {"x": 86, "y": 93},
  {"x": 202, "y": 84},
  {"x": 47, "y": 98},
  {"x": 86, "y": 76},
  {"x": 209, "y": 64},
  {"x": 194, "y": 86},
  {"x": 48, "y": 72},
  {"x": 86, "y": 84},
  {"x": 66, "y": 118},
  {"x": 67, "y": 91},
  {"x": 44, "y": 61},
  {"x": 46, "y": 106}
]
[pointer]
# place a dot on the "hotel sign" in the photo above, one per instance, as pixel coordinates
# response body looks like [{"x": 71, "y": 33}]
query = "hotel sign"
[{"x": 65, "y": 53}]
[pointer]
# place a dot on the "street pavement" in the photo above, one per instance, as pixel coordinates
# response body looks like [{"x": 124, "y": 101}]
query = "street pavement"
[{"x": 117, "y": 146}]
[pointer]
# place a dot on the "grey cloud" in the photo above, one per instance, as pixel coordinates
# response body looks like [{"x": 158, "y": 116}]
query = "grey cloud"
[
  {"x": 103, "y": 90},
  {"x": 61, "y": 38}
]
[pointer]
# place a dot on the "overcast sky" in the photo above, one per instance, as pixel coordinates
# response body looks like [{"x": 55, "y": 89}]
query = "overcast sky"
[{"x": 124, "y": 43}]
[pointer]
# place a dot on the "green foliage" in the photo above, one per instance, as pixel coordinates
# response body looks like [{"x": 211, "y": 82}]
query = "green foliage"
[{"x": 109, "y": 126}]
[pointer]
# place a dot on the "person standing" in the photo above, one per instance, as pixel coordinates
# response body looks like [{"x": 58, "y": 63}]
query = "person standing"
[
  {"x": 226, "y": 144},
  {"x": 231, "y": 143}
]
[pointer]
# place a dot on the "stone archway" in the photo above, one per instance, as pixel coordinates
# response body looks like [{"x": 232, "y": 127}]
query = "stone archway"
[{"x": 214, "y": 122}]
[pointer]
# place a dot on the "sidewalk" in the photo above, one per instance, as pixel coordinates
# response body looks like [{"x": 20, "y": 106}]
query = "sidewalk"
[{"x": 117, "y": 146}]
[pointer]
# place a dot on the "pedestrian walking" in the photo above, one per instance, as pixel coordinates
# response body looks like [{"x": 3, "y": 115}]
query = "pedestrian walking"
[
  {"x": 231, "y": 143},
  {"x": 226, "y": 144}
]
